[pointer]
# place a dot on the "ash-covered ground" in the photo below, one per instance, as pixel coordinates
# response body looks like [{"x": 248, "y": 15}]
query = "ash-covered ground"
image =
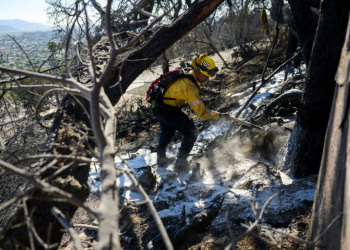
[{"x": 233, "y": 168}]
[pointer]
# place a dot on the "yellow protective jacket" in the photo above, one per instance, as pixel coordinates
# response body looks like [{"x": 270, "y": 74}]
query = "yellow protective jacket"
[{"x": 185, "y": 91}]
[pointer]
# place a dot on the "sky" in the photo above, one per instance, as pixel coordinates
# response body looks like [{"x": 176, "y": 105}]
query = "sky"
[{"x": 26, "y": 10}]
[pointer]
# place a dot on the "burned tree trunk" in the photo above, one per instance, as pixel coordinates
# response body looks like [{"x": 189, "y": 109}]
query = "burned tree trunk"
[
  {"x": 198, "y": 224},
  {"x": 302, "y": 154},
  {"x": 332, "y": 192},
  {"x": 301, "y": 21},
  {"x": 165, "y": 64},
  {"x": 158, "y": 42}
]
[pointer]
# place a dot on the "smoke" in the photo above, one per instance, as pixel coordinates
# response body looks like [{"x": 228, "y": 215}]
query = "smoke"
[
  {"x": 233, "y": 153},
  {"x": 225, "y": 161}
]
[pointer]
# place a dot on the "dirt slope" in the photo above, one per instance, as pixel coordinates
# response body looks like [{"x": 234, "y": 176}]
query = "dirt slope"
[{"x": 138, "y": 129}]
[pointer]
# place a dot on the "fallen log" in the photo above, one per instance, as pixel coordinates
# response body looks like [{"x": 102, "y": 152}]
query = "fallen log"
[{"x": 198, "y": 224}]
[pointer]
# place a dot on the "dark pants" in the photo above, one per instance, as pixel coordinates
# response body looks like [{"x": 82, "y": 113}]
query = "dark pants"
[{"x": 177, "y": 120}]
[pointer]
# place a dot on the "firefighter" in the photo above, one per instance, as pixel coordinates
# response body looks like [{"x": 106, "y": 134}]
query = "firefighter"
[{"x": 182, "y": 92}]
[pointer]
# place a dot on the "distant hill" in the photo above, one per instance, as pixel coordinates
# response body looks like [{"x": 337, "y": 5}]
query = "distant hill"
[
  {"x": 7, "y": 28},
  {"x": 21, "y": 25}
]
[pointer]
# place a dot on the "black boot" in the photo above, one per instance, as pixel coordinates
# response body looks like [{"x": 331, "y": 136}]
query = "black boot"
[
  {"x": 162, "y": 160},
  {"x": 182, "y": 165}
]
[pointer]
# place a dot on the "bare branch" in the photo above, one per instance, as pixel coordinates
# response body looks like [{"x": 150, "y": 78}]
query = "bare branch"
[
  {"x": 57, "y": 157},
  {"x": 76, "y": 49},
  {"x": 146, "y": 13},
  {"x": 40, "y": 241},
  {"x": 150, "y": 205},
  {"x": 265, "y": 205},
  {"x": 71, "y": 82},
  {"x": 62, "y": 219},
  {"x": 28, "y": 224},
  {"x": 45, "y": 187},
  {"x": 115, "y": 52},
  {"x": 90, "y": 227},
  {"x": 91, "y": 68},
  {"x": 30, "y": 87},
  {"x": 23, "y": 78},
  {"x": 64, "y": 90},
  {"x": 13, "y": 200},
  {"x": 76, "y": 14},
  {"x": 30, "y": 61},
  {"x": 252, "y": 226}
]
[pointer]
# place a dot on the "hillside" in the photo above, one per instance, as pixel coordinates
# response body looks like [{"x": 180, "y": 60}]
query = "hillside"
[
  {"x": 78, "y": 148},
  {"x": 227, "y": 175},
  {"x": 20, "y": 25},
  {"x": 7, "y": 28}
]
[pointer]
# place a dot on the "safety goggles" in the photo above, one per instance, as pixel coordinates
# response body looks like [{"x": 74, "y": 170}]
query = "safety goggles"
[{"x": 210, "y": 72}]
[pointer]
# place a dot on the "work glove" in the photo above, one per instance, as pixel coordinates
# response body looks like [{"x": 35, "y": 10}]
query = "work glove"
[{"x": 224, "y": 117}]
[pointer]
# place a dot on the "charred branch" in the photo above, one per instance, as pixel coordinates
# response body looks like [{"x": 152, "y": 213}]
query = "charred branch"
[
  {"x": 137, "y": 18},
  {"x": 292, "y": 95},
  {"x": 152, "y": 48}
]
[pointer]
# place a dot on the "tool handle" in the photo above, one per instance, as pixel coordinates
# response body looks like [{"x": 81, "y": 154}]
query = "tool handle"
[{"x": 247, "y": 123}]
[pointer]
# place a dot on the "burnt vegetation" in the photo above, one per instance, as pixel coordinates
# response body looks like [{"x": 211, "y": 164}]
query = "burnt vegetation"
[{"x": 56, "y": 125}]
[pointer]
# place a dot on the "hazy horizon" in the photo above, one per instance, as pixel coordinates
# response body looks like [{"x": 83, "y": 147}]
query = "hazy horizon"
[
  {"x": 23, "y": 20},
  {"x": 33, "y": 11},
  {"x": 18, "y": 19}
]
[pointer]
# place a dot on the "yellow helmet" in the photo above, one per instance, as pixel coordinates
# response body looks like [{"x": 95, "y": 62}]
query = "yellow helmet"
[{"x": 205, "y": 64}]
